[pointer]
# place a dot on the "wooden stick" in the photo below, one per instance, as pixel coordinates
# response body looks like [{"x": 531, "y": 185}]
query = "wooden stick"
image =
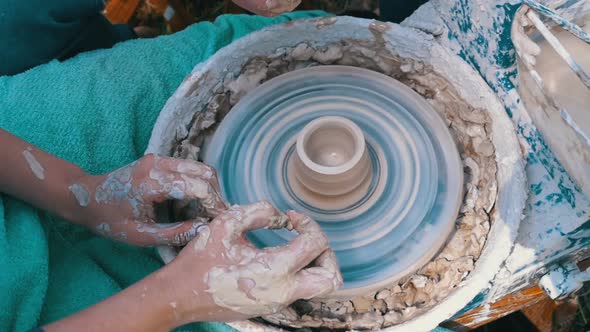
[
  {"x": 491, "y": 312},
  {"x": 555, "y": 17}
]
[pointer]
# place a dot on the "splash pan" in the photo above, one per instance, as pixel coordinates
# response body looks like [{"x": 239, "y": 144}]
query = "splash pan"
[
  {"x": 245, "y": 109},
  {"x": 387, "y": 227}
]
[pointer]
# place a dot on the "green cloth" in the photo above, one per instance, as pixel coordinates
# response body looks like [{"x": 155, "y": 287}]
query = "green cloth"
[
  {"x": 33, "y": 32},
  {"x": 97, "y": 111}
]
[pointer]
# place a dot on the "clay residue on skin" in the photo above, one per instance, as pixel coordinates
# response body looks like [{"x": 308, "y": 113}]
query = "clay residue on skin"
[
  {"x": 226, "y": 289},
  {"x": 175, "y": 184},
  {"x": 202, "y": 238},
  {"x": 34, "y": 165},
  {"x": 121, "y": 236},
  {"x": 116, "y": 187},
  {"x": 471, "y": 128},
  {"x": 197, "y": 228},
  {"x": 81, "y": 193},
  {"x": 103, "y": 228},
  {"x": 264, "y": 281}
]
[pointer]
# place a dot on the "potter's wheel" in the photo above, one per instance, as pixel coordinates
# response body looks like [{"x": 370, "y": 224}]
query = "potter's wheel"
[{"x": 388, "y": 227}]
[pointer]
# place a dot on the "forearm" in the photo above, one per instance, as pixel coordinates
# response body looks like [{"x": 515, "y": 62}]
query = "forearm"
[
  {"x": 219, "y": 276},
  {"x": 37, "y": 177},
  {"x": 153, "y": 304}
]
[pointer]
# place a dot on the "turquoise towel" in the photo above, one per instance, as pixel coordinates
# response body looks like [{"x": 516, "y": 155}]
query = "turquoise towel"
[{"x": 96, "y": 110}]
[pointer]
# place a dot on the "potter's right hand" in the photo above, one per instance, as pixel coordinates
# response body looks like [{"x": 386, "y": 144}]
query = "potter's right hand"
[
  {"x": 220, "y": 276},
  {"x": 225, "y": 278}
]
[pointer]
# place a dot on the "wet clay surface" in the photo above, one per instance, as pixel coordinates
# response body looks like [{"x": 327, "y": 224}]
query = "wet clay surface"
[{"x": 471, "y": 129}]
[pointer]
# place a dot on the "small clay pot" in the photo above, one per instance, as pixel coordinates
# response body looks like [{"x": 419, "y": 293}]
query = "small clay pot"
[{"x": 331, "y": 158}]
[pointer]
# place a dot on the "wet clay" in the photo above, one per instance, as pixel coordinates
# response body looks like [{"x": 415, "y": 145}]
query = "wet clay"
[
  {"x": 81, "y": 193},
  {"x": 34, "y": 165},
  {"x": 254, "y": 281},
  {"x": 471, "y": 128}
]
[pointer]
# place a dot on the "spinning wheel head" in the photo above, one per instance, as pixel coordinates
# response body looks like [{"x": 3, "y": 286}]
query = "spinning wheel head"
[{"x": 359, "y": 152}]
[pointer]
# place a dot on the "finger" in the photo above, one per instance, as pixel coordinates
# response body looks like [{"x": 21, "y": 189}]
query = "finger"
[
  {"x": 303, "y": 224},
  {"x": 174, "y": 165},
  {"x": 303, "y": 249},
  {"x": 319, "y": 280},
  {"x": 256, "y": 216},
  {"x": 182, "y": 234},
  {"x": 328, "y": 261},
  {"x": 209, "y": 198},
  {"x": 200, "y": 170},
  {"x": 207, "y": 174},
  {"x": 192, "y": 168},
  {"x": 199, "y": 181},
  {"x": 173, "y": 234},
  {"x": 127, "y": 231}
]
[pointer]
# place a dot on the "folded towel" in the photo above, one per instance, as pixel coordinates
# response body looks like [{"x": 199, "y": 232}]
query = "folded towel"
[{"x": 96, "y": 110}]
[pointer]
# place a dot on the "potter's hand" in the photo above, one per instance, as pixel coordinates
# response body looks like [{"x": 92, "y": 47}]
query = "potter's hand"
[
  {"x": 121, "y": 204},
  {"x": 268, "y": 7},
  {"x": 220, "y": 276},
  {"x": 525, "y": 47},
  {"x": 225, "y": 278}
]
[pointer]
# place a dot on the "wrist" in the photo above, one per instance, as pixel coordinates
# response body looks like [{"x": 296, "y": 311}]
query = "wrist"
[
  {"x": 159, "y": 294},
  {"x": 77, "y": 199},
  {"x": 191, "y": 301}
]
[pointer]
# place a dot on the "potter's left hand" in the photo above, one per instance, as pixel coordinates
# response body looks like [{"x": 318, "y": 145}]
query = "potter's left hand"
[
  {"x": 223, "y": 277},
  {"x": 121, "y": 204},
  {"x": 268, "y": 7}
]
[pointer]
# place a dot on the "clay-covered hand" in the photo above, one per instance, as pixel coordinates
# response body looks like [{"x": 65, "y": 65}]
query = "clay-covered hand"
[
  {"x": 226, "y": 278},
  {"x": 268, "y": 7},
  {"x": 121, "y": 204},
  {"x": 525, "y": 47}
]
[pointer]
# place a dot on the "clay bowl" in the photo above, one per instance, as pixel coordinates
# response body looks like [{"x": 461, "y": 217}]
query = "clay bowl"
[{"x": 191, "y": 113}]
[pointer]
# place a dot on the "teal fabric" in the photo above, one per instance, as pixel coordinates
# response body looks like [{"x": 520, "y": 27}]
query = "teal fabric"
[
  {"x": 441, "y": 329},
  {"x": 33, "y": 32},
  {"x": 96, "y": 110}
]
